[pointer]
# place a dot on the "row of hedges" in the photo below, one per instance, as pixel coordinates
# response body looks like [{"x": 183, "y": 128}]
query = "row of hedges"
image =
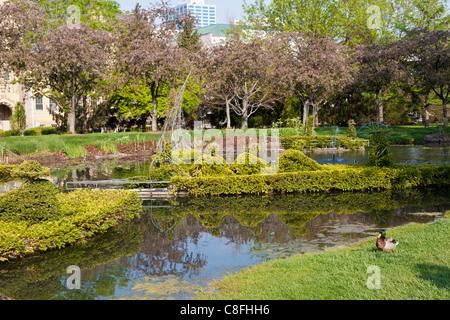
[
  {"x": 319, "y": 142},
  {"x": 329, "y": 179},
  {"x": 63, "y": 219},
  {"x": 41, "y": 131}
]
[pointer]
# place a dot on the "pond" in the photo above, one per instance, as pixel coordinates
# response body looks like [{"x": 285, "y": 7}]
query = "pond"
[
  {"x": 416, "y": 154},
  {"x": 179, "y": 246}
]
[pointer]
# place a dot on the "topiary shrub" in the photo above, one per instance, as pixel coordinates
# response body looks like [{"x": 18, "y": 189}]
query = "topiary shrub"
[
  {"x": 30, "y": 171},
  {"x": 294, "y": 161},
  {"x": 380, "y": 155},
  {"x": 32, "y": 202}
]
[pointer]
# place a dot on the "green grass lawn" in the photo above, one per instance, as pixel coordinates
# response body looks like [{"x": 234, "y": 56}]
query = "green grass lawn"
[
  {"x": 73, "y": 144},
  {"x": 418, "y": 269},
  {"x": 30, "y": 144}
]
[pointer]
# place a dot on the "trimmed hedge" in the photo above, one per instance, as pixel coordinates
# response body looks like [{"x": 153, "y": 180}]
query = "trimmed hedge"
[
  {"x": 83, "y": 213},
  {"x": 335, "y": 179},
  {"x": 316, "y": 142},
  {"x": 32, "y": 202}
]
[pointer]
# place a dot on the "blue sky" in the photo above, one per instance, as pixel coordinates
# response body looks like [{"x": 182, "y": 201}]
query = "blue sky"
[{"x": 226, "y": 9}]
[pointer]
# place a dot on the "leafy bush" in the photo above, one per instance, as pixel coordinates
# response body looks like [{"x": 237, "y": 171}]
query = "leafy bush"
[
  {"x": 5, "y": 172},
  {"x": 309, "y": 126},
  {"x": 82, "y": 214},
  {"x": 295, "y": 161},
  {"x": 32, "y": 203},
  {"x": 33, "y": 132},
  {"x": 341, "y": 179},
  {"x": 29, "y": 170},
  {"x": 315, "y": 142},
  {"x": 351, "y": 130},
  {"x": 380, "y": 155},
  {"x": 48, "y": 131},
  {"x": 2, "y": 133},
  {"x": 12, "y": 133}
]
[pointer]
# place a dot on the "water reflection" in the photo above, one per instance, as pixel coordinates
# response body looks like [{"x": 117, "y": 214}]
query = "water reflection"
[
  {"x": 416, "y": 154},
  {"x": 173, "y": 250}
]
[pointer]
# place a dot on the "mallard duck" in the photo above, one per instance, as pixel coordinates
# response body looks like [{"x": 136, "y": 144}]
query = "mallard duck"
[{"x": 386, "y": 244}]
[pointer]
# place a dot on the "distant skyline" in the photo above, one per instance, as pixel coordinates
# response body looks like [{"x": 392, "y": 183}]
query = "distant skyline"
[{"x": 226, "y": 9}]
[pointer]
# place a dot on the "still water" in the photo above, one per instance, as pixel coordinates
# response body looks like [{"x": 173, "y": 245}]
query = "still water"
[{"x": 180, "y": 246}]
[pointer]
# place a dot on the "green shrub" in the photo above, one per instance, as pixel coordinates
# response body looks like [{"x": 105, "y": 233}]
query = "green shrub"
[
  {"x": 48, "y": 131},
  {"x": 380, "y": 154},
  {"x": 351, "y": 130},
  {"x": 29, "y": 170},
  {"x": 341, "y": 179},
  {"x": 5, "y": 172},
  {"x": 82, "y": 214},
  {"x": 309, "y": 126},
  {"x": 33, "y": 132},
  {"x": 31, "y": 203},
  {"x": 2, "y": 133},
  {"x": 316, "y": 142},
  {"x": 12, "y": 133},
  {"x": 295, "y": 161}
]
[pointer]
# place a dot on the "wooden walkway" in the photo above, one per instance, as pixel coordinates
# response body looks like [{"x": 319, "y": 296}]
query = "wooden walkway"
[{"x": 118, "y": 184}]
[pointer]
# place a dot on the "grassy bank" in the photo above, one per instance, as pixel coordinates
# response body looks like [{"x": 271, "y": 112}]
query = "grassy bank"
[
  {"x": 417, "y": 269},
  {"x": 75, "y": 143},
  {"x": 72, "y": 144}
]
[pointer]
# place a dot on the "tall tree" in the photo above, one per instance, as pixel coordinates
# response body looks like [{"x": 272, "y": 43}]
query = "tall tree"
[
  {"x": 243, "y": 74},
  {"x": 426, "y": 54},
  {"x": 377, "y": 73},
  {"x": 314, "y": 69},
  {"x": 146, "y": 54}
]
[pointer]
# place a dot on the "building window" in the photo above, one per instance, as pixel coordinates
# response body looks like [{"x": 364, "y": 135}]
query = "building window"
[
  {"x": 52, "y": 105},
  {"x": 39, "y": 103}
]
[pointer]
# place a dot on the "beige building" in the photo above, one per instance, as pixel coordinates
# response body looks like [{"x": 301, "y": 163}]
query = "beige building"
[{"x": 37, "y": 108}]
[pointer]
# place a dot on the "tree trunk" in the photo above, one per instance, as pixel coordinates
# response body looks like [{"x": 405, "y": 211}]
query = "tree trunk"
[
  {"x": 72, "y": 115},
  {"x": 426, "y": 116},
  {"x": 305, "y": 113},
  {"x": 228, "y": 113},
  {"x": 316, "y": 116},
  {"x": 444, "y": 109},
  {"x": 379, "y": 104},
  {"x": 155, "y": 109},
  {"x": 244, "y": 124}
]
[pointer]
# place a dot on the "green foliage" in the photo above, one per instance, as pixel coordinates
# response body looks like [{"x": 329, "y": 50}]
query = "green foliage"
[
  {"x": 295, "y": 161},
  {"x": 5, "y": 172},
  {"x": 338, "y": 179},
  {"x": 30, "y": 171},
  {"x": 32, "y": 203},
  {"x": 309, "y": 126},
  {"x": 315, "y": 142},
  {"x": 12, "y": 133},
  {"x": 82, "y": 214},
  {"x": 351, "y": 130},
  {"x": 75, "y": 151},
  {"x": 32, "y": 132},
  {"x": 18, "y": 119},
  {"x": 380, "y": 154}
]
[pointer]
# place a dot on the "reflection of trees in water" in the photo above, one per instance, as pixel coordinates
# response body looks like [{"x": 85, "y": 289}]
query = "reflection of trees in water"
[{"x": 164, "y": 241}]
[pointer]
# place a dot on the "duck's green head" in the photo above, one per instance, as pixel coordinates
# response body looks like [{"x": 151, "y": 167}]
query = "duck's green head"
[{"x": 382, "y": 233}]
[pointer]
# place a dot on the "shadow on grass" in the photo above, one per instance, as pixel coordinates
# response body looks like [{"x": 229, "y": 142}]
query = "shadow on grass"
[{"x": 436, "y": 274}]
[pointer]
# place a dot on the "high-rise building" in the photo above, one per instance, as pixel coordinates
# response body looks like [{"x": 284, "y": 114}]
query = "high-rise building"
[{"x": 205, "y": 13}]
